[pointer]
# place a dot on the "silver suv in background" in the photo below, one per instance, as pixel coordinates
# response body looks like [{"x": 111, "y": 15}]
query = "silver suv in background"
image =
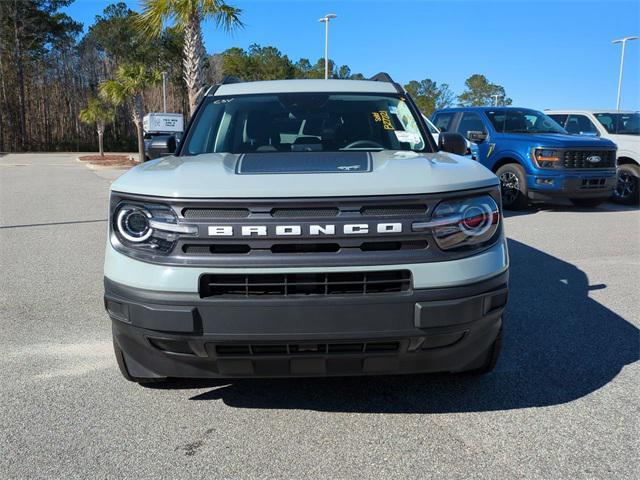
[{"x": 622, "y": 128}]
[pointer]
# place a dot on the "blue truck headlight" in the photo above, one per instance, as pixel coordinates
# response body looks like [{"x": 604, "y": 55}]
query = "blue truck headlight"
[
  {"x": 463, "y": 223},
  {"x": 547, "y": 157},
  {"x": 148, "y": 227}
]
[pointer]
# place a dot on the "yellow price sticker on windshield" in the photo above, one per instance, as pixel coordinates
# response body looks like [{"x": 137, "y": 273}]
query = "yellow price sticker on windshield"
[
  {"x": 386, "y": 120},
  {"x": 383, "y": 116}
]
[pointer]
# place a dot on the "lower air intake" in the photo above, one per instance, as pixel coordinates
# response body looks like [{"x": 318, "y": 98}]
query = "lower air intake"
[{"x": 298, "y": 284}]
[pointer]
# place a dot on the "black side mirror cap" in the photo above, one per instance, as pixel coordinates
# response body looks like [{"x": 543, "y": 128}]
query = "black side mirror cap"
[
  {"x": 452, "y": 143},
  {"x": 161, "y": 146},
  {"x": 476, "y": 136}
]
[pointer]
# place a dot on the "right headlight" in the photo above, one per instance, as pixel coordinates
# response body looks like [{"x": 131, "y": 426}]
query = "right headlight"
[
  {"x": 463, "y": 223},
  {"x": 547, "y": 157},
  {"x": 153, "y": 228}
]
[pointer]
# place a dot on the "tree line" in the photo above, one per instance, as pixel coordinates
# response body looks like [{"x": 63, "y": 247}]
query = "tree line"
[{"x": 59, "y": 86}]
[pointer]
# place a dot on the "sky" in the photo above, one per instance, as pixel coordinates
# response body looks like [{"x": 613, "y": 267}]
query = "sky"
[{"x": 546, "y": 54}]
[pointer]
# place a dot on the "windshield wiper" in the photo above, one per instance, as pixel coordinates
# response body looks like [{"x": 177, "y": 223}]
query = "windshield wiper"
[{"x": 362, "y": 149}]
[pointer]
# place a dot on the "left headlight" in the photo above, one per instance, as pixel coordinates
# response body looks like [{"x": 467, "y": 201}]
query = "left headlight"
[
  {"x": 147, "y": 227},
  {"x": 463, "y": 223}
]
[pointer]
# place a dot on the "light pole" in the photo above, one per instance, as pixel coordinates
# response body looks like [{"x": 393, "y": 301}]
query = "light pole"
[
  {"x": 164, "y": 92},
  {"x": 326, "y": 20},
  {"x": 623, "y": 41},
  {"x": 495, "y": 97}
]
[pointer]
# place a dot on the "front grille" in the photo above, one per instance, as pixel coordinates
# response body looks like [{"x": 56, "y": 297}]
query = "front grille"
[
  {"x": 394, "y": 210},
  {"x": 242, "y": 350},
  {"x": 206, "y": 249},
  {"x": 216, "y": 249},
  {"x": 578, "y": 158},
  {"x": 304, "y": 212},
  {"x": 287, "y": 233},
  {"x": 300, "y": 284},
  {"x": 196, "y": 213}
]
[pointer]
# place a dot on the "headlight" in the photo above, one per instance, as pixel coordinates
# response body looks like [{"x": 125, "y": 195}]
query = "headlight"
[
  {"x": 149, "y": 227},
  {"x": 463, "y": 223},
  {"x": 547, "y": 157},
  {"x": 133, "y": 223}
]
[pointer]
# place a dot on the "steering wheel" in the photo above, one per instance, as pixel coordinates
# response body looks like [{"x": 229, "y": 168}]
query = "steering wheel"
[{"x": 363, "y": 144}]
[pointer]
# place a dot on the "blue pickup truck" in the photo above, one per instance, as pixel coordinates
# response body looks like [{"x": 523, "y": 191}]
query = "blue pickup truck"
[{"x": 534, "y": 157}]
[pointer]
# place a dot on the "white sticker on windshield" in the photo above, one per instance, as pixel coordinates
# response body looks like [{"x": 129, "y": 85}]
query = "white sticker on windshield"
[{"x": 407, "y": 137}]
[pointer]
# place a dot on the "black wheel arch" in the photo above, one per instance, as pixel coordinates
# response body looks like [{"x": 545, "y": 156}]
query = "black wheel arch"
[
  {"x": 505, "y": 161},
  {"x": 626, "y": 161}
]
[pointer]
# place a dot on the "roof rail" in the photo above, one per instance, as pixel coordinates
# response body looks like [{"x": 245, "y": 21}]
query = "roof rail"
[
  {"x": 382, "y": 77},
  {"x": 226, "y": 80},
  {"x": 385, "y": 77},
  {"x": 230, "y": 79}
]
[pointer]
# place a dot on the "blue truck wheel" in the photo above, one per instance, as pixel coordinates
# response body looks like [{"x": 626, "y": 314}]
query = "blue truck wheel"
[{"x": 513, "y": 185}]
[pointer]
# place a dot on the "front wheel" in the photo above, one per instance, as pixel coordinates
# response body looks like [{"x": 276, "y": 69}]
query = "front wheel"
[
  {"x": 627, "y": 189},
  {"x": 587, "y": 202},
  {"x": 513, "y": 186}
]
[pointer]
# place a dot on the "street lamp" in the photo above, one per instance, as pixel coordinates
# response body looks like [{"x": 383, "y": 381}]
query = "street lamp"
[
  {"x": 623, "y": 41},
  {"x": 495, "y": 97},
  {"x": 326, "y": 20},
  {"x": 164, "y": 92}
]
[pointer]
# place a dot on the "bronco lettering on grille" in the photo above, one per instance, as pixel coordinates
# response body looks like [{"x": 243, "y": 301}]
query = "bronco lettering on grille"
[{"x": 295, "y": 230}]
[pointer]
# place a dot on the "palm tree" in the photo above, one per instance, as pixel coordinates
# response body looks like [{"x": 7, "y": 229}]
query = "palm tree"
[
  {"x": 127, "y": 86},
  {"x": 187, "y": 16},
  {"x": 99, "y": 113}
]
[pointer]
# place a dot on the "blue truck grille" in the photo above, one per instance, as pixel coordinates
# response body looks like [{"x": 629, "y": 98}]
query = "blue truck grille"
[{"x": 581, "y": 159}]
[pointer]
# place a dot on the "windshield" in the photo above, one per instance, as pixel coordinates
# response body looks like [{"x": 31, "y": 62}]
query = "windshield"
[
  {"x": 620, "y": 123},
  {"x": 523, "y": 121},
  {"x": 303, "y": 122}
]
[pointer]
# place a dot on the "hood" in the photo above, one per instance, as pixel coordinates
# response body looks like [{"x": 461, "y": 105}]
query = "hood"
[
  {"x": 559, "y": 140},
  {"x": 625, "y": 139},
  {"x": 628, "y": 146},
  {"x": 221, "y": 175}
]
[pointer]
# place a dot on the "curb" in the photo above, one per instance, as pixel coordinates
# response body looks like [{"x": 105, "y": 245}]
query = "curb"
[{"x": 97, "y": 166}]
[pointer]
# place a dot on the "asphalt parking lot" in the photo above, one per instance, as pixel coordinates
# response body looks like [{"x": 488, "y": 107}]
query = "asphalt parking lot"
[{"x": 562, "y": 403}]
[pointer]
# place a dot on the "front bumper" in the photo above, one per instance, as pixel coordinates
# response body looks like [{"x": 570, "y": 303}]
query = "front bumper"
[
  {"x": 426, "y": 330},
  {"x": 594, "y": 184}
]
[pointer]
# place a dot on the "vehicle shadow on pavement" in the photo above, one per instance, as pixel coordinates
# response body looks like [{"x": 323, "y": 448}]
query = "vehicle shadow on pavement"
[
  {"x": 569, "y": 207},
  {"x": 559, "y": 345}
]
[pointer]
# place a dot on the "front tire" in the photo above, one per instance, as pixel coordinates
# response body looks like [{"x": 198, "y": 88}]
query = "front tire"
[
  {"x": 627, "y": 191},
  {"x": 513, "y": 186},
  {"x": 587, "y": 202}
]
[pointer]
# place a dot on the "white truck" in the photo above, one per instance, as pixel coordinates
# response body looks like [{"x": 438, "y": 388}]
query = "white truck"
[
  {"x": 159, "y": 125},
  {"x": 163, "y": 123},
  {"x": 622, "y": 128}
]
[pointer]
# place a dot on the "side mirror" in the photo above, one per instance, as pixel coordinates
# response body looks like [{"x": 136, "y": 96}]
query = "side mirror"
[
  {"x": 476, "y": 136},
  {"x": 452, "y": 143},
  {"x": 161, "y": 146}
]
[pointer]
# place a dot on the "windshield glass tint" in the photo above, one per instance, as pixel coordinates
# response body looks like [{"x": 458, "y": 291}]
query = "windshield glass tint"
[
  {"x": 522, "y": 121},
  {"x": 303, "y": 122},
  {"x": 620, "y": 123}
]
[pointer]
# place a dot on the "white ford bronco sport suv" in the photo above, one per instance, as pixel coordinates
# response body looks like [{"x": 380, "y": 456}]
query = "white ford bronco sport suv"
[{"x": 306, "y": 228}]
